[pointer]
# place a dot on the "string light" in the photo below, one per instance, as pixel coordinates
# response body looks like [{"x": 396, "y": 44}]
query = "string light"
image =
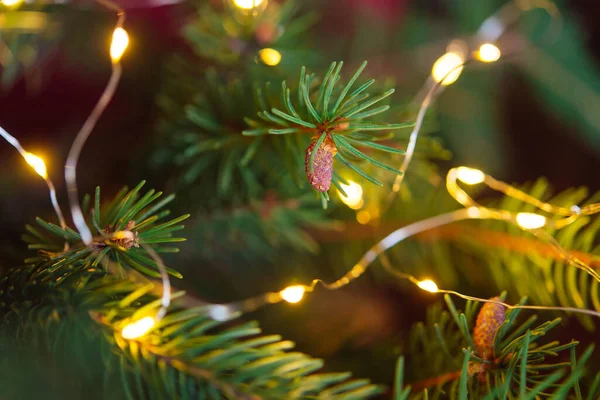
[
  {"x": 428, "y": 285},
  {"x": 118, "y": 46},
  {"x": 488, "y": 53},
  {"x": 40, "y": 168},
  {"x": 490, "y": 30},
  {"x": 270, "y": 57},
  {"x": 445, "y": 71},
  {"x": 120, "y": 41},
  {"x": 354, "y": 195},
  {"x": 470, "y": 176},
  {"x": 138, "y": 328},
  {"x": 247, "y": 4},
  {"x": 530, "y": 220},
  {"x": 293, "y": 294},
  {"x": 447, "y": 68}
]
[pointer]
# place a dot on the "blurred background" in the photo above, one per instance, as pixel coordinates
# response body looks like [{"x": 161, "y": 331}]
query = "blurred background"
[{"x": 534, "y": 113}]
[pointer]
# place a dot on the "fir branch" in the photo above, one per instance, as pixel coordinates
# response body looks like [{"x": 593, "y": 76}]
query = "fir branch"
[{"x": 188, "y": 352}]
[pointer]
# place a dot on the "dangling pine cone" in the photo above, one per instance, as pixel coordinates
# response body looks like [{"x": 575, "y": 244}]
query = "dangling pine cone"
[
  {"x": 489, "y": 319},
  {"x": 320, "y": 178}
]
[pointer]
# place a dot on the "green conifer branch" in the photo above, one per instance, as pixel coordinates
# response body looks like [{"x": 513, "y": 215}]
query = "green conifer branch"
[
  {"x": 522, "y": 366},
  {"x": 187, "y": 353}
]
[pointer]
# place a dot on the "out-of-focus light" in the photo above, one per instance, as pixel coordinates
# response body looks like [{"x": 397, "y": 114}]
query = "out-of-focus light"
[
  {"x": 428, "y": 285},
  {"x": 447, "y": 68},
  {"x": 530, "y": 220},
  {"x": 363, "y": 217},
  {"x": 37, "y": 164},
  {"x": 120, "y": 41},
  {"x": 293, "y": 294},
  {"x": 11, "y": 3},
  {"x": 270, "y": 57},
  {"x": 354, "y": 195},
  {"x": 247, "y": 4},
  {"x": 488, "y": 53},
  {"x": 138, "y": 329},
  {"x": 474, "y": 212},
  {"x": 220, "y": 312},
  {"x": 470, "y": 176}
]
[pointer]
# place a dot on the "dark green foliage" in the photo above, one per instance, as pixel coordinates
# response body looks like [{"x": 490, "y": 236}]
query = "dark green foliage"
[
  {"x": 226, "y": 35},
  {"x": 543, "y": 275},
  {"x": 129, "y": 214},
  {"x": 208, "y": 136},
  {"x": 329, "y": 111},
  {"x": 522, "y": 367}
]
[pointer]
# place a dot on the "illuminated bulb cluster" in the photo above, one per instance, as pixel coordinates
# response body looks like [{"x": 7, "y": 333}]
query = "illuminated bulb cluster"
[
  {"x": 470, "y": 176},
  {"x": 120, "y": 41},
  {"x": 37, "y": 164},
  {"x": 138, "y": 328},
  {"x": 293, "y": 294},
  {"x": 354, "y": 195},
  {"x": 447, "y": 68},
  {"x": 270, "y": 57}
]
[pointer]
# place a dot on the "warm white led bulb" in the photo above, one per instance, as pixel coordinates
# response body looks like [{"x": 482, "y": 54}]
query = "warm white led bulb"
[
  {"x": 138, "y": 328},
  {"x": 247, "y": 4},
  {"x": 37, "y": 164},
  {"x": 530, "y": 220},
  {"x": 11, "y": 3},
  {"x": 470, "y": 176},
  {"x": 448, "y": 67},
  {"x": 428, "y": 285},
  {"x": 354, "y": 195},
  {"x": 488, "y": 53},
  {"x": 293, "y": 294},
  {"x": 270, "y": 57},
  {"x": 120, "y": 41}
]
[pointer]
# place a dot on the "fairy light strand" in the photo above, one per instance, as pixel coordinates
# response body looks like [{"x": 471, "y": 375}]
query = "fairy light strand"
[
  {"x": 40, "y": 168},
  {"x": 139, "y": 328},
  {"x": 430, "y": 286},
  {"x": 295, "y": 293},
  {"x": 489, "y": 31},
  {"x": 530, "y": 222},
  {"x": 88, "y": 126}
]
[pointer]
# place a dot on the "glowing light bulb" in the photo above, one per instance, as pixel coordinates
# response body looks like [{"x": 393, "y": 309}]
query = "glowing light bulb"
[
  {"x": 37, "y": 164},
  {"x": 247, "y": 4},
  {"x": 354, "y": 195},
  {"x": 11, "y": 3},
  {"x": 138, "y": 329},
  {"x": 120, "y": 41},
  {"x": 270, "y": 57},
  {"x": 470, "y": 176},
  {"x": 293, "y": 294},
  {"x": 488, "y": 53},
  {"x": 449, "y": 67},
  {"x": 428, "y": 285},
  {"x": 530, "y": 220}
]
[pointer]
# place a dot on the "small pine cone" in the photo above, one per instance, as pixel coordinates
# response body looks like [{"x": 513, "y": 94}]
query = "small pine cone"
[
  {"x": 320, "y": 179},
  {"x": 489, "y": 319}
]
